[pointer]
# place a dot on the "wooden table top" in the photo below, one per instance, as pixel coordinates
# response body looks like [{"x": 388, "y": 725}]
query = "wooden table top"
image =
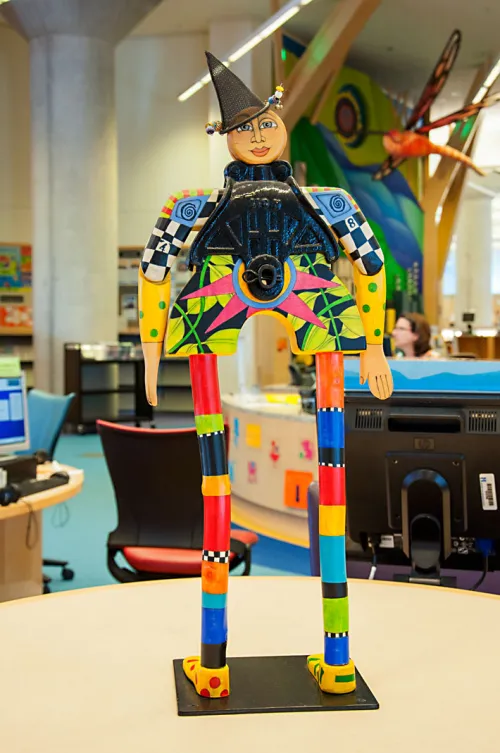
[{"x": 91, "y": 670}]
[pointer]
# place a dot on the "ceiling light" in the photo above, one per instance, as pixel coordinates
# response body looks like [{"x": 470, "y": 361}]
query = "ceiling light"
[
  {"x": 264, "y": 31},
  {"x": 234, "y": 56},
  {"x": 192, "y": 90},
  {"x": 279, "y": 22},
  {"x": 488, "y": 82},
  {"x": 257, "y": 38},
  {"x": 495, "y": 71}
]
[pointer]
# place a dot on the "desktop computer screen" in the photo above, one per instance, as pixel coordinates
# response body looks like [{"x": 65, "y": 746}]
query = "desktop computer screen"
[
  {"x": 421, "y": 474},
  {"x": 14, "y": 433}
]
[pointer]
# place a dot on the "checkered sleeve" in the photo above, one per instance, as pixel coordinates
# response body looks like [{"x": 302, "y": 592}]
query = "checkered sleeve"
[
  {"x": 339, "y": 210},
  {"x": 183, "y": 212}
]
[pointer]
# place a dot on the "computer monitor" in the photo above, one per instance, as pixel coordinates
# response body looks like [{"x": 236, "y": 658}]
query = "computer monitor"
[
  {"x": 421, "y": 474},
  {"x": 14, "y": 431}
]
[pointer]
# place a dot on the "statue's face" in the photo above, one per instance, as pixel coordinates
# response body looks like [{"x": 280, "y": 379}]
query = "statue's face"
[{"x": 260, "y": 141}]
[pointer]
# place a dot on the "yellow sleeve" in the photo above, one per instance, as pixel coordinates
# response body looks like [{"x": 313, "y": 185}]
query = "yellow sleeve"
[
  {"x": 370, "y": 300},
  {"x": 154, "y": 302}
]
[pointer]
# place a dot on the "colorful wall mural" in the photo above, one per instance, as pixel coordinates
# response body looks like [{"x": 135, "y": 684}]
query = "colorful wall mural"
[{"x": 340, "y": 150}]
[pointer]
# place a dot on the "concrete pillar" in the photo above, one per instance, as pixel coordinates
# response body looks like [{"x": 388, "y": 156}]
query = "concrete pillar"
[
  {"x": 162, "y": 144},
  {"x": 239, "y": 372},
  {"x": 74, "y": 170},
  {"x": 474, "y": 260},
  {"x": 15, "y": 145}
]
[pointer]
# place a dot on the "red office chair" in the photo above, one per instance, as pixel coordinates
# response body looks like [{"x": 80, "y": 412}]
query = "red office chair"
[{"x": 156, "y": 475}]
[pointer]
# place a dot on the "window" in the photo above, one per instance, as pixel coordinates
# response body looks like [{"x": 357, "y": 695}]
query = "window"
[
  {"x": 450, "y": 271},
  {"x": 495, "y": 252},
  {"x": 449, "y": 284}
]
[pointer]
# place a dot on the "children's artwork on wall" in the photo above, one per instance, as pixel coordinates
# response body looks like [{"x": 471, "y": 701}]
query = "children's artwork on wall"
[
  {"x": 15, "y": 266},
  {"x": 307, "y": 450},
  {"x": 15, "y": 285},
  {"x": 26, "y": 267},
  {"x": 275, "y": 453},
  {"x": 231, "y": 467},
  {"x": 252, "y": 472},
  {"x": 296, "y": 486},
  {"x": 14, "y": 315},
  {"x": 254, "y": 438},
  {"x": 236, "y": 431}
]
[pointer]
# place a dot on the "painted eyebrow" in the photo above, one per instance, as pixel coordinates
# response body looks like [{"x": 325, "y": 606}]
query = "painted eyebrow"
[{"x": 265, "y": 116}]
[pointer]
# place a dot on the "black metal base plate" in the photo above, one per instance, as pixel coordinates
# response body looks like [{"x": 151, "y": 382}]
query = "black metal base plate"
[{"x": 269, "y": 684}]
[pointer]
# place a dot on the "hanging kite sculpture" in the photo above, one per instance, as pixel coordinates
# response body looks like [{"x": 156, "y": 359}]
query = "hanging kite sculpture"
[{"x": 412, "y": 141}]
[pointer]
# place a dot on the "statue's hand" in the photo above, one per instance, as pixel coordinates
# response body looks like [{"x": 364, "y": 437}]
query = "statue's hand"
[
  {"x": 375, "y": 369},
  {"x": 152, "y": 354}
]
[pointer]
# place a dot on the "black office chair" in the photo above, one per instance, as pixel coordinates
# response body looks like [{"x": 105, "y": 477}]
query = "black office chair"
[
  {"x": 156, "y": 475},
  {"x": 296, "y": 376}
]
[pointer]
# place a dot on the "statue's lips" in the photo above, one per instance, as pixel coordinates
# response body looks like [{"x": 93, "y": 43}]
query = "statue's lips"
[{"x": 260, "y": 152}]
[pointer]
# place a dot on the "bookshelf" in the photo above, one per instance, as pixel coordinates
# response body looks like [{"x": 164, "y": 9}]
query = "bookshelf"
[{"x": 16, "y": 325}]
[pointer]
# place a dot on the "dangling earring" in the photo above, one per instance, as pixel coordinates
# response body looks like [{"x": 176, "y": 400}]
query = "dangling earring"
[
  {"x": 276, "y": 98},
  {"x": 213, "y": 126}
]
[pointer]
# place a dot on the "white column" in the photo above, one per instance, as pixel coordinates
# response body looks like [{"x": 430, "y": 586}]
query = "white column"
[
  {"x": 15, "y": 144},
  {"x": 74, "y": 198},
  {"x": 74, "y": 163},
  {"x": 474, "y": 259},
  {"x": 239, "y": 372},
  {"x": 162, "y": 144}
]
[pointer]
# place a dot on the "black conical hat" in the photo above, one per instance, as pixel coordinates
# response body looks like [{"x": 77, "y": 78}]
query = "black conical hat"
[{"x": 233, "y": 95}]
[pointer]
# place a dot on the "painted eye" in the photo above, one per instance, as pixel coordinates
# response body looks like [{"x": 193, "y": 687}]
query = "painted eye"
[
  {"x": 245, "y": 127},
  {"x": 268, "y": 124}
]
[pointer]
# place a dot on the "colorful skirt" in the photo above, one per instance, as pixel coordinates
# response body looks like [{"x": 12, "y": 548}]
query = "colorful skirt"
[{"x": 316, "y": 308}]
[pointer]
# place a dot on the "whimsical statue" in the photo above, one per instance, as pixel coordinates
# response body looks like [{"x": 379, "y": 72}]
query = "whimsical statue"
[{"x": 265, "y": 246}]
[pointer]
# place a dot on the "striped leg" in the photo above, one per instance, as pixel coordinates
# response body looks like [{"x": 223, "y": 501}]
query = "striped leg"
[
  {"x": 210, "y": 673},
  {"x": 334, "y": 670}
]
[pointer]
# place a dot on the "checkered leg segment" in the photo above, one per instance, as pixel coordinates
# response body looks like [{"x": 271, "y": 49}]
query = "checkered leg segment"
[
  {"x": 215, "y": 556},
  {"x": 178, "y": 217},
  {"x": 339, "y": 210},
  {"x": 217, "y": 509},
  {"x": 330, "y": 426}
]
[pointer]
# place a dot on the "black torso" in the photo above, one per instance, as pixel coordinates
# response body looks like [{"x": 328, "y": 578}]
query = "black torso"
[{"x": 263, "y": 218}]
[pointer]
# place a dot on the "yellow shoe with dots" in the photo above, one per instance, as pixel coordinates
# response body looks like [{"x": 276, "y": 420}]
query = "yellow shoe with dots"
[
  {"x": 209, "y": 683},
  {"x": 338, "y": 679}
]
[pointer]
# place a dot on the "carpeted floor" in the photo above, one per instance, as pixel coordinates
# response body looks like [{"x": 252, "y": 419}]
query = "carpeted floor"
[{"x": 81, "y": 536}]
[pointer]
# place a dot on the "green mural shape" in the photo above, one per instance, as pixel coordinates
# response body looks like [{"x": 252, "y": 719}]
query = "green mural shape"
[{"x": 308, "y": 145}]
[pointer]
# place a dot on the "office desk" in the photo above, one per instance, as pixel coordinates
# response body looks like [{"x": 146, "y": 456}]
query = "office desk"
[
  {"x": 20, "y": 548},
  {"x": 91, "y": 670}
]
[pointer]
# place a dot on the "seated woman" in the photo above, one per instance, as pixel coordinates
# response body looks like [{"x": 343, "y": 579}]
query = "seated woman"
[{"x": 412, "y": 337}]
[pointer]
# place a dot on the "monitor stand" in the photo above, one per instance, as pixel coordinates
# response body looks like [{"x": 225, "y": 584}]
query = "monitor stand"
[
  {"x": 425, "y": 554},
  {"x": 426, "y": 533},
  {"x": 19, "y": 467}
]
